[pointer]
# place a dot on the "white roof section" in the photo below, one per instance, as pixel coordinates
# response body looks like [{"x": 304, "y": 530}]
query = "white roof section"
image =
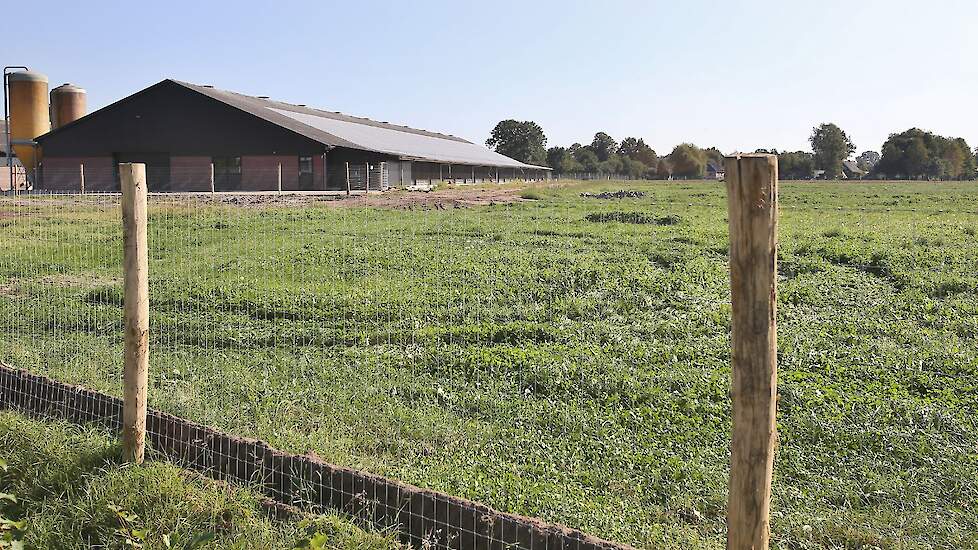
[
  {"x": 404, "y": 144},
  {"x": 341, "y": 130}
]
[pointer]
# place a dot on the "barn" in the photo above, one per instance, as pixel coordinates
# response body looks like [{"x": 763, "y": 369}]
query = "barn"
[{"x": 197, "y": 138}]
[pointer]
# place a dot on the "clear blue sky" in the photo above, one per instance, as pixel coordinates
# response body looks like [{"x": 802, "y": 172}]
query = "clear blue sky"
[{"x": 734, "y": 74}]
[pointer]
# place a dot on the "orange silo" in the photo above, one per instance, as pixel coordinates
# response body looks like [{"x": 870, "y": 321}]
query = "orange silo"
[
  {"x": 28, "y": 97},
  {"x": 68, "y": 104}
]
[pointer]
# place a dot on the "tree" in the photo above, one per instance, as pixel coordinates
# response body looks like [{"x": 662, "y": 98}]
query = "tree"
[
  {"x": 637, "y": 149},
  {"x": 714, "y": 155},
  {"x": 587, "y": 158},
  {"x": 968, "y": 163},
  {"x": 562, "y": 161},
  {"x": 916, "y": 157},
  {"x": 604, "y": 146},
  {"x": 663, "y": 169},
  {"x": 688, "y": 161},
  {"x": 796, "y": 165},
  {"x": 867, "y": 160},
  {"x": 831, "y": 146},
  {"x": 523, "y": 141},
  {"x": 555, "y": 157},
  {"x": 629, "y": 147},
  {"x": 636, "y": 169},
  {"x": 917, "y": 153},
  {"x": 612, "y": 165}
]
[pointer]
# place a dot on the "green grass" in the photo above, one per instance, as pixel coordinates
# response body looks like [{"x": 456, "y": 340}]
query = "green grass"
[
  {"x": 565, "y": 357},
  {"x": 66, "y": 488}
]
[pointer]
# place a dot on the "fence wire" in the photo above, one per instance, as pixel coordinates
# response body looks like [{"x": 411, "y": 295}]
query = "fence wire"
[{"x": 336, "y": 331}]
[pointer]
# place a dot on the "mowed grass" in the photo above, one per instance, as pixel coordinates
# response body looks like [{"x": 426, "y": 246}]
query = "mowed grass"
[
  {"x": 64, "y": 487},
  {"x": 563, "y": 357}
]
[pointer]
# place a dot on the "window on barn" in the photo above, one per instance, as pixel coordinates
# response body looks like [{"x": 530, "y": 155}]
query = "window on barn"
[{"x": 227, "y": 173}]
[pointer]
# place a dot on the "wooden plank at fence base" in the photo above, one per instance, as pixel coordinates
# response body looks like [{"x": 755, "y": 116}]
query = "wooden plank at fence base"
[
  {"x": 301, "y": 480},
  {"x": 135, "y": 310},
  {"x": 752, "y": 202}
]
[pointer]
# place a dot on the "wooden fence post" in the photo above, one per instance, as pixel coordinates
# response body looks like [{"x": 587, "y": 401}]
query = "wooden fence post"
[
  {"x": 135, "y": 310},
  {"x": 81, "y": 177},
  {"x": 752, "y": 204},
  {"x": 280, "y": 178},
  {"x": 212, "y": 181},
  {"x": 366, "y": 177}
]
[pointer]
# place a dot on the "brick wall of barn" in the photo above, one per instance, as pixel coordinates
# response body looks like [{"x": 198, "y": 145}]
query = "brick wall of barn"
[
  {"x": 260, "y": 173},
  {"x": 64, "y": 174},
  {"x": 190, "y": 173}
]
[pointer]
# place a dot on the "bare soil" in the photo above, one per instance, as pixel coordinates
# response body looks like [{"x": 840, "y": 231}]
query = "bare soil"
[{"x": 440, "y": 199}]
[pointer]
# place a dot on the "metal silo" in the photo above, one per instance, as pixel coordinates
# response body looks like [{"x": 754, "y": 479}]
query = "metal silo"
[
  {"x": 68, "y": 104},
  {"x": 28, "y": 113}
]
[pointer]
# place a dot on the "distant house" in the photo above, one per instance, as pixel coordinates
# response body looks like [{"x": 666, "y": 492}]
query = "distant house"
[
  {"x": 851, "y": 170},
  {"x": 714, "y": 172}
]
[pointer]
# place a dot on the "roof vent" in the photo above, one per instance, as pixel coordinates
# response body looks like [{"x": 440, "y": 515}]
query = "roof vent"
[
  {"x": 206, "y": 86},
  {"x": 263, "y": 97},
  {"x": 302, "y": 104}
]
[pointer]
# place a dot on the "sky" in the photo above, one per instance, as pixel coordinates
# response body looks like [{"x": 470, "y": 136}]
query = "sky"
[{"x": 735, "y": 74}]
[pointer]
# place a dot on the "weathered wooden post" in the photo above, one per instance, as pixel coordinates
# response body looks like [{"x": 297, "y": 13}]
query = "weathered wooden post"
[
  {"x": 752, "y": 204},
  {"x": 348, "y": 178},
  {"x": 135, "y": 310},
  {"x": 81, "y": 177},
  {"x": 280, "y": 178},
  {"x": 366, "y": 177},
  {"x": 212, "y": 181}
]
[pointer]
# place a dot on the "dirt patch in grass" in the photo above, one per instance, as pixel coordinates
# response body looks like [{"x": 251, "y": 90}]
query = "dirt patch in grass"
[
  {"x": 440, "y": 199},
  {"x": 632, "y": 217},
  {"x": 623, "y": 194},
  {"x": 79, "y": 280},
  {"x": 11, "y": 290}
]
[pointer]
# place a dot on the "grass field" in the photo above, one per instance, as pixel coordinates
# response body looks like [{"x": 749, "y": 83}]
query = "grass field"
[
  {"x": 563, "y": 357},
  {"x": 64, "y": 487}
]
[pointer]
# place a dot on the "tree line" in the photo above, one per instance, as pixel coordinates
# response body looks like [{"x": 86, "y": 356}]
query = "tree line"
[{"x": 912, "y": 154}]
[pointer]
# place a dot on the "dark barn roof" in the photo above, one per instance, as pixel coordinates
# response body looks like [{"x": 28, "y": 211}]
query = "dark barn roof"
[{"x": 333, "y": 129}]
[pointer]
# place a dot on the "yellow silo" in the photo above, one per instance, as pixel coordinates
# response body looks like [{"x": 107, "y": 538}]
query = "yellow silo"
[
  {"x": 28, "y": 113},
  {"x": 67, "y": 105}
]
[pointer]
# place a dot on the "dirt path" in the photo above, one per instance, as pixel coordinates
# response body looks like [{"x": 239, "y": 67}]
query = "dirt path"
[{"x": 440, "y": 199}]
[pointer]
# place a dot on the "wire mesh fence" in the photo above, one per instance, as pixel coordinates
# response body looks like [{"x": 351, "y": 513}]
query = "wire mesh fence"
[
  {"x": 563, "y": 357},
  {"x": 363, "y": 342},
  {"x": 248, "y": 174}
]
